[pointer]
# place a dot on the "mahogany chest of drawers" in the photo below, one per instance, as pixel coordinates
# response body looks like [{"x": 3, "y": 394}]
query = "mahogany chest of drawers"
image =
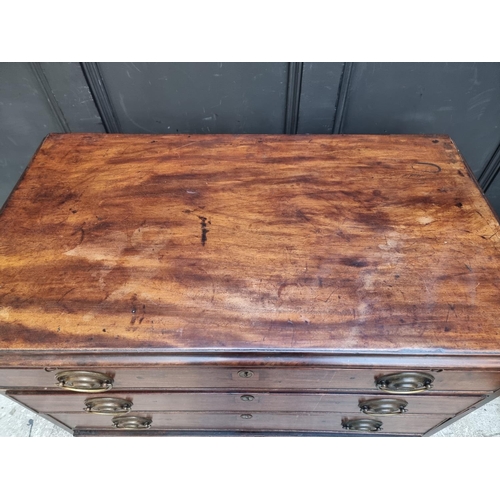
[{"x": 252, "y": 284}]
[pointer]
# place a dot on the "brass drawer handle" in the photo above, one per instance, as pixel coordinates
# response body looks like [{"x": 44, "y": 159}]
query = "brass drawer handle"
[
  {"x": 132, "y": 422},
  {"x": 383, "y": 406},
  {"x": 405, "y": 382},
  {"x": 247, "y": 397},
  {"x": 362, "y": 424},
  {"x": 107, "y": 406},
  {"x": 83, "y": 381},
  {"x": 246, "y": 416}
]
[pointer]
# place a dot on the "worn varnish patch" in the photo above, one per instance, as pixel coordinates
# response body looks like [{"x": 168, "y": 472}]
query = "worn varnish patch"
[{"x": 356, "y": 243}]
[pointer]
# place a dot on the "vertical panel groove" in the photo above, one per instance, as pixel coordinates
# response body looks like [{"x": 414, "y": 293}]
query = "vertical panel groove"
[
  {"x": 54, "y": 106},
  {"x": 338, "y": 119},
  {"x": 101, "y": 98},
  {"x": 293, "y": 97},
  {"x": 490, "y": 171}
]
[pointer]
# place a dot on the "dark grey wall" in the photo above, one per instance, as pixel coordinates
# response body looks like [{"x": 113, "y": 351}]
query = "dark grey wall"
[
  {"x": 36, "y": 99},
  {"x": 156, "y": 98},
  {"x": 458, "y": 99}
]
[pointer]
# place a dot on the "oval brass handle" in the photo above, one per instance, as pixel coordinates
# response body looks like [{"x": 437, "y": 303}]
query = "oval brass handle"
[
  {"x": 247, "y": 397},
  {"x": 405, "y": 382},
  {"x": 362, "y": 424},
  {"x": 83, "y": 381},
  {"x": 132, "y": 422},
  {"x": 383, "y": 406},
  {"x": 107, "y": 406}
]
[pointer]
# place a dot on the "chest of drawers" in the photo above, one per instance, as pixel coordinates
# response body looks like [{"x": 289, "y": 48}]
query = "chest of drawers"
[{"x": 330, "y": 285}]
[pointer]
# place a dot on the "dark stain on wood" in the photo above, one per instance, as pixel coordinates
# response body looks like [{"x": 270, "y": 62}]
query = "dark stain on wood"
[
  {"x": 354, "y": 262},
  {"x": 141, "y": 319},
  {"x": 204, "y": 229}
]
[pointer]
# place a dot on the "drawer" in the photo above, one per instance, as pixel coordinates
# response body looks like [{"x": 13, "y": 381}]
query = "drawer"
[
  {"x": 255, "y": 421},
  {"x": 201, "y": 377},
  {"x": 48, "y": 402}
]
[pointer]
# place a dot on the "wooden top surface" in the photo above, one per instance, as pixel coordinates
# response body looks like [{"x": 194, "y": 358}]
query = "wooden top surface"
[{"x": 220, "y": 242}]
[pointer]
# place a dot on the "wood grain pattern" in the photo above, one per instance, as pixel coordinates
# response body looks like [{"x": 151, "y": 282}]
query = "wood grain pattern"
[
  {"x": 314, "y": 379},
  {"x": 57, "y": 402},
  {"x": 52, "y": 360},
  {"x": 354, "y": 243},
  {"x": 332, "y": 422},
  {"x": 81, "y": 432}
]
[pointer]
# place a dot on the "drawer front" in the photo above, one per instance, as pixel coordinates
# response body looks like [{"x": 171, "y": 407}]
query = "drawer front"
[
  {"x": 201, "y": 377},
  {"x": 49, "y": 402},
  {"x": 254, "y": 421}
]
